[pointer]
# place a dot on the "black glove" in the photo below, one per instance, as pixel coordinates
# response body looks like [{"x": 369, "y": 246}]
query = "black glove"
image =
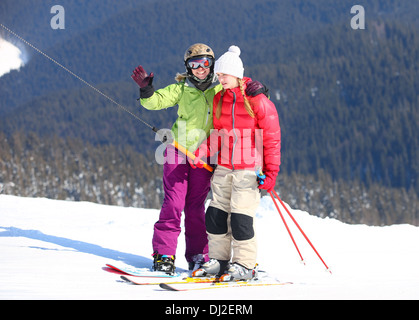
[
  {"x": 255, "y": 87},
  {"x": 144, "y": 81}
]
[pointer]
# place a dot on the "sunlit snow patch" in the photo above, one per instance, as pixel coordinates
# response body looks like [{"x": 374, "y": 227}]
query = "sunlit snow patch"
[{"x": 11, "y": 57}]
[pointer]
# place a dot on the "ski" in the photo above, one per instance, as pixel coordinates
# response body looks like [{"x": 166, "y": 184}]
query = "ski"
[
  {"x": 137, "y": 272},
  {"x": 218, "y": 285},
  {"x": 174, "y": 280}
]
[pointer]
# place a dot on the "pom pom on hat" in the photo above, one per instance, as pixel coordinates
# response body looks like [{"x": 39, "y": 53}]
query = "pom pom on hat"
[
  {"x": 234, "y": 49},
  {"x": 230, "y": 63}
]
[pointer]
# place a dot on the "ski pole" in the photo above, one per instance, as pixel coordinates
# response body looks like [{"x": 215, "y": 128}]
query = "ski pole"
[
  {"x": 190, "y": 155},
  {"x": 286, "y": 226},
  {"x": 299, "y": 228},
  {"x": 168, "y": 139}
]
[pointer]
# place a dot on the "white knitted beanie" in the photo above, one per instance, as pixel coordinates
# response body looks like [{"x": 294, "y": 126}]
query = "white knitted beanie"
[{"x": 230, "y": 63}]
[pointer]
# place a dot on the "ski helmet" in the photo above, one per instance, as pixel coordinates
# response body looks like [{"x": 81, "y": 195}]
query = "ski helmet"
[{"x": 198, "y": 49}]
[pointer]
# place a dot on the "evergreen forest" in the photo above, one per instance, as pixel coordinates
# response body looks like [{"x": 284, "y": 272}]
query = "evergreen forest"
[{"x": 348, "y": 101}]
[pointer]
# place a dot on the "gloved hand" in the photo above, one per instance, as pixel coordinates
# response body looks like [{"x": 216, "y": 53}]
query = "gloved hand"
[
  {"x": 201, "y": 152},
  {"x": 269, "y": 182},
  {"x": 140, "y": 76},
  {"x": 255, "y": 87}
]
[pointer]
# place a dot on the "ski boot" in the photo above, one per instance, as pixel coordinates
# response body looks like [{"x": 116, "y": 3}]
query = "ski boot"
[
  {"x": 164, "y": 263},
  {"x": 237, "y": 272},
  {"x": 213, "y": 267}
]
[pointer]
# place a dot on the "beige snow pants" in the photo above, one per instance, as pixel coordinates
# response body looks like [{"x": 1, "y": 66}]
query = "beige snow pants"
[{"x": 230, "y": 216}]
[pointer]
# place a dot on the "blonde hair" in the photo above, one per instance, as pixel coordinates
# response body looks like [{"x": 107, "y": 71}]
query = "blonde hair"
[{"x": 247, "y": 105}]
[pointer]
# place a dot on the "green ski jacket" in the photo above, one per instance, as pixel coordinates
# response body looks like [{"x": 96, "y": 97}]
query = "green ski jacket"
[{"x": 195, "y": 108}]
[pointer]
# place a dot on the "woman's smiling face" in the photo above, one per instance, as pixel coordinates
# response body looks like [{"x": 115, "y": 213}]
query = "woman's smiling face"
[{"x": 228, "y": 81}]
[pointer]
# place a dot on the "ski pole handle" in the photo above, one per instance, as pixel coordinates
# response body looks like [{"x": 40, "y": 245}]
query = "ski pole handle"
[
  {"x": 191, "y": 155},
  {"x": 260, "y": 176}
]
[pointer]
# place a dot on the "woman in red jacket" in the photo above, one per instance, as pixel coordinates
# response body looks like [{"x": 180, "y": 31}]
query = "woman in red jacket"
[{"x": 247, "y": 137}]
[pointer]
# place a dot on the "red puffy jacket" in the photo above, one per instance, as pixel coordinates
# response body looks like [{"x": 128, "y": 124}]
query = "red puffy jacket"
[{"x": 238, "y": 137}]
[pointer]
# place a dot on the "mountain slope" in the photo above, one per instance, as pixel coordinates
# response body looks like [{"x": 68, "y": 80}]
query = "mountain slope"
[
  {"x": 56, "y": 250},
  {"x": 360, "y": 86},
  {"x": 105, "y": 48}
]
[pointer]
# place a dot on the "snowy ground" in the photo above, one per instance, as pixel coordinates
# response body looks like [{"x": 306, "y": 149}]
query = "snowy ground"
[{"x": 56, "y": 250}]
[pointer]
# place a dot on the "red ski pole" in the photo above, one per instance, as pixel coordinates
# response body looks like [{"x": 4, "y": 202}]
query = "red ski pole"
[
  {"x": 286, "y": 226},
  {"x": 299, "y": 228}
]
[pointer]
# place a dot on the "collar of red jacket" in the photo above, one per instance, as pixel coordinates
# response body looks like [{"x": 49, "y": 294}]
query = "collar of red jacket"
[{"x": 236, "y": 90}]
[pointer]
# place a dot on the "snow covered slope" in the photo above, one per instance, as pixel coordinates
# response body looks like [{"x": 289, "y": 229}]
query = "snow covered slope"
[{"x": 56, "y": 250}]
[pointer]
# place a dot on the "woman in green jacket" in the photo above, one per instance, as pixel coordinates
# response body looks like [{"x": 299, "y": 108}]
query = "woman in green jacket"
[{"x": 185, "y": 189}]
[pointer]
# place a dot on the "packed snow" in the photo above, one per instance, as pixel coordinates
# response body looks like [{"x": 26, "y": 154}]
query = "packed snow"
[
  {"x": 54, "y": 249},
  {"x": 11, "y": 57}
]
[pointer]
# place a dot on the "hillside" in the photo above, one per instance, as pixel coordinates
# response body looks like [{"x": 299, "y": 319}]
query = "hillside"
[
  {"x": 347, "y": 99},
  {"x": 94, "y": 39},
  {"x": 56, "y": 250}
]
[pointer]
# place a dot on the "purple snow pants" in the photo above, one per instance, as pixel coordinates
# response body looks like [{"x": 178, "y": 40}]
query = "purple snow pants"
[{"x": 185, "y": 189}]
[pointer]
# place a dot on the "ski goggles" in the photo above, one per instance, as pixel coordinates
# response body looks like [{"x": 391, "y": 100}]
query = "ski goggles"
[{"x": 204, "y": 62}]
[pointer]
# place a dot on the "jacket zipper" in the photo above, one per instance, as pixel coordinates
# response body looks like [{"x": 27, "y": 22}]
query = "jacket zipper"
[
  {"x": 208, "y": 109},
  {"x": 234, "y": 131}
]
